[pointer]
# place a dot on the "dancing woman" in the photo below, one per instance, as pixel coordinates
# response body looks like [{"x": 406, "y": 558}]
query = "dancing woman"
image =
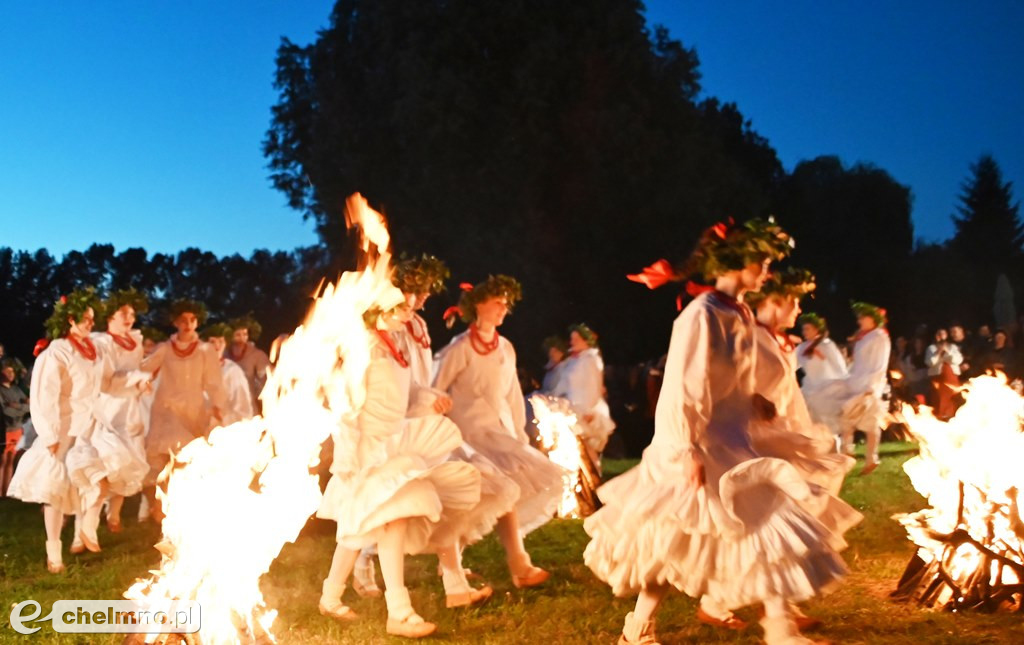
[
  {"x": 392, "y": 484},
  {"x": 478, "y": 370},
  {"x": 66, "y": 381},
  {"x": 703, "y": 513}
]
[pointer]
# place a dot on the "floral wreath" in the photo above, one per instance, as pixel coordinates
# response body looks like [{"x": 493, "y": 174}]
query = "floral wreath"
[
  {"x": 186, "y": 305},
  {"x": 495, "y": 286},
  {"x": 556, "y": 342},
  {"x": 117, "y": 299},
  {"x": 588, "y": 335},
  {"x": 425, "y": 274},
  {"x": 246, "y": 322},
  {"x": 790, "y": 283},
  {"x": 72, "y": 305},
  {"x": 811, "y": 318},
  {"x": 867, "y": 309},
  {"x": 218, "y": 329},
  {"x": 153, "y": 334}
]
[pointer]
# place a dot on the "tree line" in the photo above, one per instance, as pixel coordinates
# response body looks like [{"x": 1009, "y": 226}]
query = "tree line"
[{"x": 567, "y": 144}]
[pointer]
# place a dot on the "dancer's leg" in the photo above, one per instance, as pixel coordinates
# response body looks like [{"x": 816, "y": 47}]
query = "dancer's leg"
[
  {"x": 524, "y": 574},
  {"x": 334, "y": 584},
  {"x": 402, "y": 618},
  {"x": 639, "y": 624},
  {"x": 53, "y": 521}
]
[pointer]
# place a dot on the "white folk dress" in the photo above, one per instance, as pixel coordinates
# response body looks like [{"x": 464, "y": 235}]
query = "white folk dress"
[
  {"x": 864, "y": 407},
  {"x": 742, "y": 537},
  {"x": 582, "y": 383},
  {"x": 498, "y": 493},
  {"x": 179, "y": 412},
  {"x": 488, "y": 407},
  {"x": 237, "y": 395},
  {"x": 793, "y": 436},
  {"x": 116, "y": 447},
  {"x": 389, "y": 467},
  {"x": 65, "y": 392},
  {"x": 821, "y": 365}
]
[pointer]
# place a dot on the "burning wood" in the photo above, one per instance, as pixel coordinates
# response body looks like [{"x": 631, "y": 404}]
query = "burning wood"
[
  {"x": 561, "y": 438},
  {"x": 971, "y": 539}
]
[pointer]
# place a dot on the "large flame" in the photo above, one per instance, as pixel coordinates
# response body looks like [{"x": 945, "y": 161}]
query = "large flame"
[
  {"x": 249, "y": 488},
  {"x": 970, "y": 469},
  {"x": 557, "y": 429}
]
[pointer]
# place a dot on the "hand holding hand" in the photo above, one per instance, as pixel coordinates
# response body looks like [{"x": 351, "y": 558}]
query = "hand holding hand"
[{"x": 442, "y": 404}]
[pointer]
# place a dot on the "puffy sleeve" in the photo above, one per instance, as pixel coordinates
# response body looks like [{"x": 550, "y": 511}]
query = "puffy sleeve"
[
  {"x": 834, "y": 360},
  {"x": 870, "y": 364},
  {"x": 587, "y": 387},
  {"x": 213, "y": 379},
  {"x": 451, "y": 362},
  {"x": 153, "y": 362},
  {"x": 686, "y": 400},
  {"x": 384, "y": 408},
  {"x": 50, "y": 383}
]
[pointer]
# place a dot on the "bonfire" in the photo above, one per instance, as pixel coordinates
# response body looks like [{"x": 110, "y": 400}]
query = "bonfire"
[
  {"x": 235, "y": 498},
  {"x": 560, "y": 437},
  {"x": 970, "y": 539}
]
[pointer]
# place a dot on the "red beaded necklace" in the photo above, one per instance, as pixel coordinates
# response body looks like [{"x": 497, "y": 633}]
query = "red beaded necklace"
[
  {"x": 783, "y": 340},
  {"x": 422, "y": 338},
  {"x": 480, "y": 346},
  {"x": 126, "y": 342},
  {"x": 732, "y": 303},
  {"x": 184, "y": 353},
  {"x": 84, "y": 347},
  {"x": 395, "y": 352}
]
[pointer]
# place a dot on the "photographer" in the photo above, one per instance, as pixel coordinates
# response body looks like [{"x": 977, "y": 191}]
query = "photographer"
[{"x": 943, "y": 359}]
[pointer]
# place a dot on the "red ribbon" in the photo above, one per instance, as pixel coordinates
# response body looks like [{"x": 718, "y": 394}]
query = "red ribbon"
[
  {"x": 41, "y": 344},
  {"x": 465, "y": 286},
  {"x": 451, "y": 311},
  {"x": 654, "y": 276}
]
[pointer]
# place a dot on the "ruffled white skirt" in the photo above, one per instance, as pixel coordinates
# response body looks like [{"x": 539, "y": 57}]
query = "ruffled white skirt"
[
  {"x": 413, "y": 482},
  {"x": 42, "y": 478},
  {"x": 538, "y": 478},
  {"x": 812, "y": 452},
  {"x": 498, "y": 495},
  {"x": 741, "y": 539},
  {"x": 103, "y": 453}
]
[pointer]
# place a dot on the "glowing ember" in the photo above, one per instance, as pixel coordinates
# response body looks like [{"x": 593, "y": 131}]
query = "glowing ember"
[
  {"x": 559, "y": 433},
  {"x": 970, "y": 539},
  {"x": 237, "y": 497}
]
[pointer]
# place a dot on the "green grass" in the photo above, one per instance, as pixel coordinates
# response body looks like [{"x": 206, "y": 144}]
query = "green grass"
[{"x": 573, "y": 608}]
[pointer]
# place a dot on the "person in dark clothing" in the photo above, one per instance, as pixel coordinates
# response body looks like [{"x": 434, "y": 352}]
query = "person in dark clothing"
[
  {"x": 15, "y": 411},
  {"x": 1001, "y": 357}
]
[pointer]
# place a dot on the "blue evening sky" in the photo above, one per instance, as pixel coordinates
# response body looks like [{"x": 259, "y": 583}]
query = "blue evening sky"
[{"x": 139, "y": 123}]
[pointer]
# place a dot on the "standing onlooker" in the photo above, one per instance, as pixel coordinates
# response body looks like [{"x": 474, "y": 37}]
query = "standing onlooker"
[
  {"x": 958, "y": 336},
  {"x": 15, "y": 411},
  {"x": 1000, "y": 357},
  {"x": 943, "y": 359},
  {"x": 915, "y": 371}
]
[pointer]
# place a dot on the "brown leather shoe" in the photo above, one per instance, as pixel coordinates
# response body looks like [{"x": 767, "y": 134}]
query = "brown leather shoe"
[
  {"x": 469, "y": 598},
  {"x": 535, "y": 577},
  {"x": 733, "y": 622}
]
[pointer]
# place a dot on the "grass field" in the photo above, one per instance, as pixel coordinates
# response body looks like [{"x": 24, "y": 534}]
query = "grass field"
[{"x": 573, "y": 607}]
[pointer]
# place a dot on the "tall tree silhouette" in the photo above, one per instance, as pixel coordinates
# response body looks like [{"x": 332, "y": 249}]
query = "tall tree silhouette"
[{"x": 989, "y": 232}]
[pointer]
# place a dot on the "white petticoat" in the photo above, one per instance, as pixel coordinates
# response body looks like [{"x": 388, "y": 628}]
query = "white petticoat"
[
  {"x": 104, "y": 453},
  {"x": 42, "y": 478},
  {"x": 741, "y": 539},
  {"x": 498, "y": 495},
  {"x": 413, "y": 482},
  {"x": 538, "y": 478}
]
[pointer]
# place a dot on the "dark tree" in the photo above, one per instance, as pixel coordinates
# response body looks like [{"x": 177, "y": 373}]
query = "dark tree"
[
  {"x": 989, "y": 232},
  {"x": 853, "y": 229},
  {"x": 555, "y": 140}
]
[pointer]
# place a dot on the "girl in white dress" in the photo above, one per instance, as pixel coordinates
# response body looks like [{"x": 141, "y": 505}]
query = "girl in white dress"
[
  {"x": 237, "y": 394},
  {"x": 66, "y": 381},
  {"x": 126, "y": 469},
  {"x": 190, "y": 375},
  {"x": 703, "y": 512},
  {"x": 392, "y": 484},
  {"x": 478, "y": 370},
  {"x": 582, "y": 383},
  {"x": 419, "y": 278},
  {"x": 822, "y": 363},
  {"x": 791, "y": 434}
]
